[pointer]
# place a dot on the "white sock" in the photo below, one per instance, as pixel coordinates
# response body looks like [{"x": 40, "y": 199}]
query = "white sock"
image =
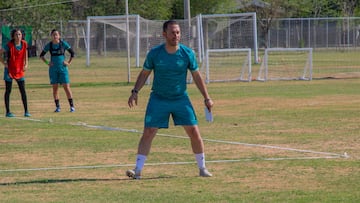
[
  {"x": 200, "y": 159},
  {"x": 140, "y": 161}
]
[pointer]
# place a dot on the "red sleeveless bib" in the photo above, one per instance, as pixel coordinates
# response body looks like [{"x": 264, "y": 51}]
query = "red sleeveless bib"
[{"x": 16, "y": 61}]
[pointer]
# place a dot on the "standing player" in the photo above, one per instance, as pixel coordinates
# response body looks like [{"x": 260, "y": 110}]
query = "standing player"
[
  {"x": 170, "y": 62},
  {"x": 58, "y": 67},
  {"x": 16, "y": 63}
]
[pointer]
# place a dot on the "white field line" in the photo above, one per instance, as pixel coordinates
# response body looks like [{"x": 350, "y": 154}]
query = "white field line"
[
  {"x": 345, "y": 155},
  {"x": 163, "y": 163},
  {"x": 329, "y": 155},
  {"x": 220, "y": 141}
]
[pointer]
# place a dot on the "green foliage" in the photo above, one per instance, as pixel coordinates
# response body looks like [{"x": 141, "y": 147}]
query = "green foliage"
[
  {"x": 38, "y": 14},
  {"x": 100, "y": 8},
  {"x": 320, "y": 8},
  {"x": 212, "y": 6},
  {"x": 199, "y": 7},
  {"x": 152, "y": 9},
  {"x": 44, "y": 15},
  {"x": 306, "y": 8}
]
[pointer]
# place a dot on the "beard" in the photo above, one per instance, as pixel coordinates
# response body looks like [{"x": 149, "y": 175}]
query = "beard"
[{"x": 173, "y": 42}]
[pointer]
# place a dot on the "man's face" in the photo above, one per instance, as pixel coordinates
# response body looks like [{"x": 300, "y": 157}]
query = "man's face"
[{"x": 172, "y": 35}]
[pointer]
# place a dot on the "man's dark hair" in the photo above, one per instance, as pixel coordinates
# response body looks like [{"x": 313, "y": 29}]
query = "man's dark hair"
[{"x": 169, "y": 22}]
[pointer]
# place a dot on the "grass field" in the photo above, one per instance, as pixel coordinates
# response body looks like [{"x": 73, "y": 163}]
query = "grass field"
[{"x": 276, "y": 141}]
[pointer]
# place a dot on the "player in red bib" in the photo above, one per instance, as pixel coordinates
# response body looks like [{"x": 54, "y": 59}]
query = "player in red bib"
[{"x": 16, "y": 63}]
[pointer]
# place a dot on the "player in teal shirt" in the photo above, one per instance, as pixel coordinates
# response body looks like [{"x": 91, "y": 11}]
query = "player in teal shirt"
[
  {"x": 169, "y": 87},
  {"x": 170, "y": 63},
  {"x": 58, "y": 67},
  {"x": 171, "y": 70}
]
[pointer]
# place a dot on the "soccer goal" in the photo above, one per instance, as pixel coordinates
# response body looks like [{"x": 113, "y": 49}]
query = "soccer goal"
[
  {"x": 228, "y": 31},
  {"x": 222, "y": 65},
  {"x": 286, "y": 64}
]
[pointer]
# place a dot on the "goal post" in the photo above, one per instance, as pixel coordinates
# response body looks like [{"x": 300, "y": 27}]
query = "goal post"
[
  {"x": 222, "y": 65},
  {"x": 286, "y": 64}
]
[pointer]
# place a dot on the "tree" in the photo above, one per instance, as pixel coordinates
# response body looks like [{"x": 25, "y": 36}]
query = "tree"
[
  {"x": 323, "y": 8},
  {"x": 266, "y": 11},
  {"x": 152, "y": 9},
  {"x": 348, "y": 7},
  {"x": 40, "y": 15},
  {"x": 99, "y": 8},
  {"x": 310, "y": 8},
  {"x": 199, "y": 7}
]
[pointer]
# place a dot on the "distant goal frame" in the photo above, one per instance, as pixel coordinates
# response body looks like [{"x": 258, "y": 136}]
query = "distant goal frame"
[
  {"x": 307, "y": 71},
  {"x": 242, "y": 70}
]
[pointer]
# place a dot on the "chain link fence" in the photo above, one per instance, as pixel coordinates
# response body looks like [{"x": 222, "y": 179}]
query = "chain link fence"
[{"x": 335, "y": 41}]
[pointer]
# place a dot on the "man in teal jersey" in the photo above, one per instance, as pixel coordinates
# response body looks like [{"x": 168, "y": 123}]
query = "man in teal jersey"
[
  {"x": 58, "y": 67},
  {"x": 170, "y": 62}
]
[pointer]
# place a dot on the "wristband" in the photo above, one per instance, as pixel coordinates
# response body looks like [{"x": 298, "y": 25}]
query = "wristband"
[
  {"x": 134, "y": 91},
  {"x": 206, "y": 100}
]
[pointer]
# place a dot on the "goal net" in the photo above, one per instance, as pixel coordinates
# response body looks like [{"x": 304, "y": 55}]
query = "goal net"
[
  {"x": 106, "y": 35},
  {"x": 286, "y": 64},
  {"x": 126, "y": 39},
  {"x": 229, "y": 31},
  {"x": 222, "y": 65}
]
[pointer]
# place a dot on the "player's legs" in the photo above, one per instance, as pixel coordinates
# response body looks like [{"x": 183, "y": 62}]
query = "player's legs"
[
  {"x": 21, "y": 84},
  {"x": 197, "y": 143},
  {"x": 54, "y": 81},
  {"x": 67, "y": 90},
  {"x": 55, "y": 88},
  {"x": 8, "y": 87},
  {"x": 69, "y": 96},
  {"x": 65, "y": 80},
  {"x": 184, "y": 114},
  {"x": 143, "y": 150},
  {"x": 197, "y": 146},
  {"x": 146, "y": 140},
  {"x": 156, "y": 116}
]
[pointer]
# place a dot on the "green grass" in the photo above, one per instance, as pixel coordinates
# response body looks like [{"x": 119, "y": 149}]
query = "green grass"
[{"x": 318, "y": 115}]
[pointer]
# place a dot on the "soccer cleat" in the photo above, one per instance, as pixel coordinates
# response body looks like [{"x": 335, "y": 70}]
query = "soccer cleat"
[
  {"x": 57, "y": 109},
  {"x": 10, "y": 115},
  {"x": 134, "y": 174},
  {"x": 72, "y": 109},
  {"x": 27, "y": 114},
  {"x": 204, "y": 173}
]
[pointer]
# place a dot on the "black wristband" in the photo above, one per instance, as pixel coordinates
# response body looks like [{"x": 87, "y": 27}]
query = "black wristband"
[
  {"x": 134, "y": 91},
  {"x": 206, "y": 100}
]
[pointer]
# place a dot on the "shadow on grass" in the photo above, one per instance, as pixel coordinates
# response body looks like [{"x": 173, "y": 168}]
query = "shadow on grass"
[{"x": 50, "y": 181}]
